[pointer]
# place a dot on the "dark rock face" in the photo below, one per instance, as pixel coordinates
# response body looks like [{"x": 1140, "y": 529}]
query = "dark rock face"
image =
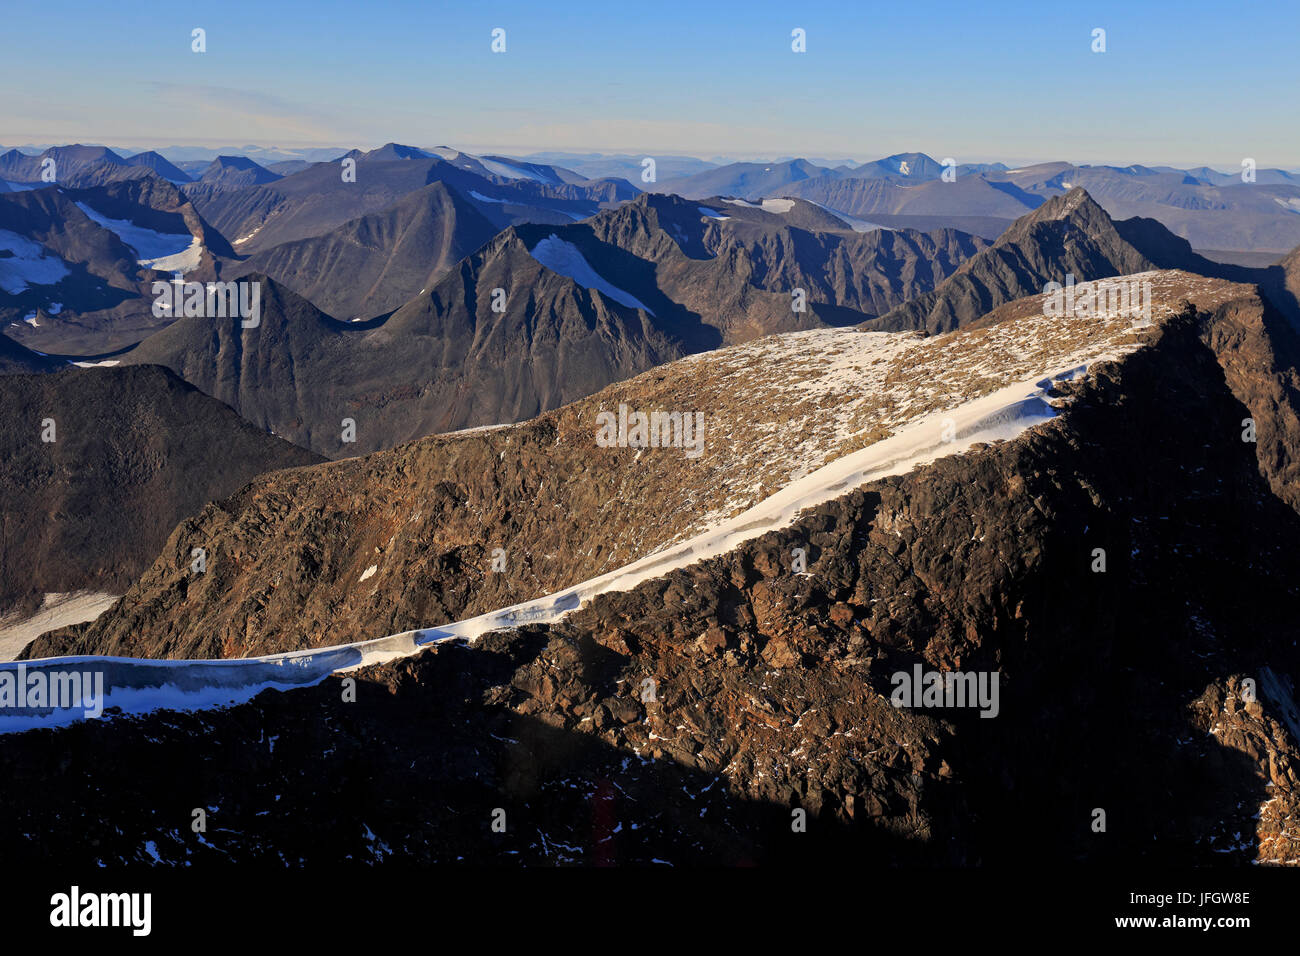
[
  {"x": 135, "y": 450},
  {"x": 444, "y": 361},
  {"x": 18, "y": 359},
  {"x": 1120, "y": 690},
  {"x": 737, "y": 275}
]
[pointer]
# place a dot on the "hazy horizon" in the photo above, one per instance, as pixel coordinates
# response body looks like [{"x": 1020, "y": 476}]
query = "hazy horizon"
[
  {"x": 119, "y": 144},
  {"x": 676, "y": 80}
]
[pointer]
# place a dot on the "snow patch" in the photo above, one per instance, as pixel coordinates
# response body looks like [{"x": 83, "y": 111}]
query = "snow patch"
[
  {"x": 510, "y": 171},
  {"x": 154, "y": 250},
  {"x": 28, "y": 264},
  {"x": 59, "y": 609},
  {"x": 565, "y": 259}
]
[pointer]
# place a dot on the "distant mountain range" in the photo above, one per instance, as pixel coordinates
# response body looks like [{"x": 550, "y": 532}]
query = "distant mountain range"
[
  {"x": 394, "y": 275},
  {"x": 583, "y": 305}
]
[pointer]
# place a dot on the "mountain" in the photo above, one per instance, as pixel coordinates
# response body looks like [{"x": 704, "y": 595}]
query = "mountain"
[
  {"x": 1213, "y": 211},
  {"x": 706, "y": 701},
  {"x": 287, "y": 167},
  {"x": 621, "y": 166},
  {"x": 743, "y": 180},
  {"x": 159, "y": 207},
  {"x": 441, "y": 360},
  {"x": 135, "y": 450},
  {"x": 236, "y": 171},
  {"x": 80, "y": 280},
  {"x": 735, "y": 265},
  {"x": 372, "y": 265},
  {"x": 1225, "y": 214},
  {"x": 1067, "y": 235},
  {"x": 970, "y": 202},
  {"x": 507, "y": 168},
  {"x": 60, "y": 258},
  {"x": 69, "y": 161},
  {"x": 901, "y": 167},
  {"x": 159, "y": 165}
]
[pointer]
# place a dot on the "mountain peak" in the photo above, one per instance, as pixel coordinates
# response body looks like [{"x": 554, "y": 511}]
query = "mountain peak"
[{"x": 1075, "y": 201}]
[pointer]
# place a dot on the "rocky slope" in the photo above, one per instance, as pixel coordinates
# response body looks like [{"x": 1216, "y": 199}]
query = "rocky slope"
[
  {"x": 1121, "y": 691},
  {"x": 405, "y": 538},
  {"x": 15, "y": 358},
  {"x": 372, "y": 265}
]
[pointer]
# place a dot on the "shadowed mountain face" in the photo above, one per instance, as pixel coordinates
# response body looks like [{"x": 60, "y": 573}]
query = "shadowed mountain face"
[
  {"x": 443, "y": 361},
  {"x": 17, "y": 359},
  {"x": 372, "y": 265},
  {"x": 100, "y": 464},
  {"x": 770, "y": 689},
  {"x": 736, "y": 268}
]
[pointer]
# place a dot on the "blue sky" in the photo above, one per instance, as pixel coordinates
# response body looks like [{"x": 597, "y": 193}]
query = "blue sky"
[{"x": 1180, "y": 82}]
